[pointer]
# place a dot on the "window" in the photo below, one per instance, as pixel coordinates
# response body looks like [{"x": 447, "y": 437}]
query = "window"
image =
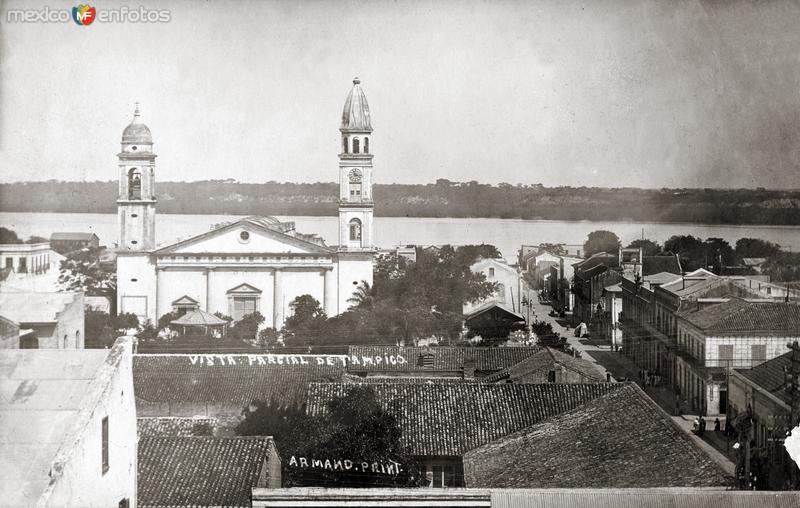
[
  {"x": 551, "y": 376},
  {"x": 64, "y": 342},
  {"x": 105, "y": 444},
  {"x": 344, "y": 143},
  {"x": 769, "y": 291},
  {"x": 23, "y": 265},
  {"x": 501, "y": 293},
  {"x": 355, "y": 145},
  {"x": 355, "y": 191},
  {"x": 491, "y": 272},
  {"x": 134, "y": 184},
  {"x": 355, "y": 230},
  {"x": 244, "y": 236},
  {"x": 725, "y": 354},
  {"x": 243, "y": 306},
  {"x": 441, "y": 475},
  {"x": 758, "y": 355},
  {"x": 366, "y": 145},
  {"x": 425, "y": 360}
]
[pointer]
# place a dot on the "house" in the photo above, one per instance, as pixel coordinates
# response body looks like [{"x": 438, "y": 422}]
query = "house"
[
  {"x": 205, "y": 471},
  {"x": 12, "y": 336},
  {"x": 734, "y": 334},
  {"x": 70, "y": 241},
  {"x": 608, "y": 442},
  {"x": 56, "y": 319},
  {"x": 548, "y": 366},
  {"x": 434, "y": 362},
  {"x": 68, "y": 427},
  {"x": 756, "y": 264},
  {"x": 560, "y": 283},
  {"x": 506, "y": 277},
  {"x": 440, "y": 422},
  {"x": 407, "y": 252},
  {"x": 608, "y": 324},
  {"x": 27, "y": 258},
  {"x": 763, "y": 395},
  {"x": 222, "y": 386},
  {"x": 254, "y": 264},
  {"x": 493, "y": 320}
]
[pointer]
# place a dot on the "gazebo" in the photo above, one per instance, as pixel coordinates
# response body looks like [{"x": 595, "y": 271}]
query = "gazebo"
[{"x": 201, "y": 319}]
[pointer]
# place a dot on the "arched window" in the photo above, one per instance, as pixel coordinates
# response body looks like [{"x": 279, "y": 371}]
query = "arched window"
[
  {"x": 78, "y": 339},
  {"x": 64, "y": 345},
  {"x": 344, "y": 144},
  {"x": 501, "y": 293},
  {"x": 355, "y": 145},
  {"x": 366, "y": 145},
  {"x": 134, "y": 184},
  {"x": 355, "y": 230}
]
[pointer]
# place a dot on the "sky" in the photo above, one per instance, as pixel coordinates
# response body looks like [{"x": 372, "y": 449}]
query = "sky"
[{"x": 628, "y": 93}]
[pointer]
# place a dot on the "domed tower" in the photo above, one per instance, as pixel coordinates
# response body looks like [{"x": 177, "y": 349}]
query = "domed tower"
[
  {"x": 136, "y": 204},
  {"x": 355, "y": 174}
]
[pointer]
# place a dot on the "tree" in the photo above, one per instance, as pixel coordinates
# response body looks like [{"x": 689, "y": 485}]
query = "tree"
[
  {"x": 7, "y": 236},
  {"x": 82, "y": 271},
  {"x": 601, "y": 241},
  {"x": 649, "y": 247},
  {"x": 362, "y": 296},
  {"x": 36, "y": 239},
  {"x": 307, "y": 321},
  {"x": 690, "y": 249},
  {"x": 101, "y": 330},
  {"x": 246, "y": 329},
  {"x": 269, "y": 338},
  {"x": 756, "y": 248}
]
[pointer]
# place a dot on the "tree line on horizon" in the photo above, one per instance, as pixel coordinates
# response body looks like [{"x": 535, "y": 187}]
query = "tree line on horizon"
[{"x": 441, "y": 199}]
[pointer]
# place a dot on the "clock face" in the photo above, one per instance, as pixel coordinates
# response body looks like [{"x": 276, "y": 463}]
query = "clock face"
[{"x": 355, "y": 175}]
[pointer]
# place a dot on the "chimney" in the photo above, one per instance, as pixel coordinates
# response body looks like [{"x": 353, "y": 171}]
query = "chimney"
[{"x": 469, "y": 368}]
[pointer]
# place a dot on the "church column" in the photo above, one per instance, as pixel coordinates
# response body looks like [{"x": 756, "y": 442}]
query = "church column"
[
  {"x": 329, "y": 292},
  {"x": 277, "y": 299},
  {"x": 208, "y": 273}
]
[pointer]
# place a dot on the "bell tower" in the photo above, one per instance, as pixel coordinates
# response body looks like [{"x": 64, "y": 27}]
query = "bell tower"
[
  {"x": 136, "y": 203},
  {"x": 355, "y": 174}
]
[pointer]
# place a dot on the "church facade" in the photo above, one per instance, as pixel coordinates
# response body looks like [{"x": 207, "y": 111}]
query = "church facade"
[{"x": 248, "y": 265}]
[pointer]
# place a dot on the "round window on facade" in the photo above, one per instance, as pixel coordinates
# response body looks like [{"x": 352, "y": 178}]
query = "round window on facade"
[
  {"x": 244, "y": 236},
  {"x": 133, "y": 148}
]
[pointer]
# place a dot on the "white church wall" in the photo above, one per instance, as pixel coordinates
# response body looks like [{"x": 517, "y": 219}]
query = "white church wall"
[
  {"x": 136, "y": 286},
  {"x": 297, "y": 283},
  {"x": 221, "y": 281},
  {"x": 352, "y": 269},
  {"x": 173, "y": 284}
]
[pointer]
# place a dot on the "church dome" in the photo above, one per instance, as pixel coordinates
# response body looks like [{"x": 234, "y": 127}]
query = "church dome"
[
  {"x": 355, "y": 116},
  {"x": 136, "y": 131}
]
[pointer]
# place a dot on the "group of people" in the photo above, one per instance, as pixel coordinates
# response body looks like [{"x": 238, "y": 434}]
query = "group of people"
[
  {"x": 699, "y": 426},
  {"x": 648, "y": 378}
]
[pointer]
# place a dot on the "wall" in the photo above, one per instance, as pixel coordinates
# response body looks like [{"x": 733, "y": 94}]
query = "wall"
[
  {"x": 351, "y": 269},
  {"x": 142, "y": 268},
  {"x": 77, "y": 473},
  {"x": 69, "y": 330}
]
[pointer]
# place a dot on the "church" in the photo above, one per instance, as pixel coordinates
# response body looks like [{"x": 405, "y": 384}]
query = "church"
[{"x": 251, "y": 264}]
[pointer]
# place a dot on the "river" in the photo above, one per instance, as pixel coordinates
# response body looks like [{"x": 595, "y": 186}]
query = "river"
[{"x": 506, "y": 234}]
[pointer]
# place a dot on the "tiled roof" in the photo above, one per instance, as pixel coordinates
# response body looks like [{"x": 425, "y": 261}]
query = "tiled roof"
[
  {"x": 175, "y": 426},
  {"x": 737, "y": 315},
  {"x": 769, "y": 376},
  {"x": 452, "y": 418},
  {"x": 200, "y": 471},
  {"x": 451, "y": 359},
  {"x": 545, "y": 360},
  {"x": 619, "y": 440},
  {"x": 199, "y": 318},
  {"x": 657, "y": 264},
  {"x": 498, "y": 308},
  {"x": 189, "y": 378}
]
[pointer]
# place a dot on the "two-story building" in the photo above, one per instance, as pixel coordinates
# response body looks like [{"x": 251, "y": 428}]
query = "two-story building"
[
  {"x": 732, "y": 334},
  {"x": 506, "y": 277},
  {"x": 63, "y": 242},
  {"x": 33, "y": 258}
]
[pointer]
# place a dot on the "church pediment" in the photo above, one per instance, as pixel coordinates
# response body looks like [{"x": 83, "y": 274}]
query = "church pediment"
[
  {"x": 244, "y": 289},
  {"x": 246, "y": 236}
]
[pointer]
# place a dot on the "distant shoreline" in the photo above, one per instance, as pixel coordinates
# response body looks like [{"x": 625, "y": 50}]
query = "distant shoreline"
[{"x": 444, "y": 199}]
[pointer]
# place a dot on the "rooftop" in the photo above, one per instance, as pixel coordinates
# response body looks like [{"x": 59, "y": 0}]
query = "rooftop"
[
  {"x": 28, "y": 307},
  {"x": 200, "y": 471},
  {"x": 737, "y": 315},
  {"x": 452, "y": 418},
  {"x": 175, "y": 426},
  {"x": 43, "y": 393},
  {"x": 239, "y": 379},
  {"x": 545, "y": 360},
  {"x": 450, "y": 359},
  {"x": 770, "y": 376},
  {"x": 356, "y": 116},
  {"x": 660, "y": 264},
  {"x": 609, "y": 442}
]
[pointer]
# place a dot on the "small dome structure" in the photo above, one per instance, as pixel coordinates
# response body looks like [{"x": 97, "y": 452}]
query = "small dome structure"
[
  {"x": 136, "y": 131},
  {"x": 355, "y": 117}
]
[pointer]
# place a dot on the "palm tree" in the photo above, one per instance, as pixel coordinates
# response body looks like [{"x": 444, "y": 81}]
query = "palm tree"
[{"x": 362, "y": 296}]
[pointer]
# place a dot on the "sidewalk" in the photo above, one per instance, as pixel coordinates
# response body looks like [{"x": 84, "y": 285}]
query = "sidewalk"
[{"x": 727, "y": 465}]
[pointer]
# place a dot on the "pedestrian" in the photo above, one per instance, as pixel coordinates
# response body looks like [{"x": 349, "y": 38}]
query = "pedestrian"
[
  {"x": 608, "y": 377},
  {"x": 716, "y": 424},
  {"x": 696, "y": 426},
  {"x": 702, "y": 425}
]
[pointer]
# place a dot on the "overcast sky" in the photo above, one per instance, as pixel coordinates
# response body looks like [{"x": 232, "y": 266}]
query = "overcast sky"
[{"x": 626, "y": 93}]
